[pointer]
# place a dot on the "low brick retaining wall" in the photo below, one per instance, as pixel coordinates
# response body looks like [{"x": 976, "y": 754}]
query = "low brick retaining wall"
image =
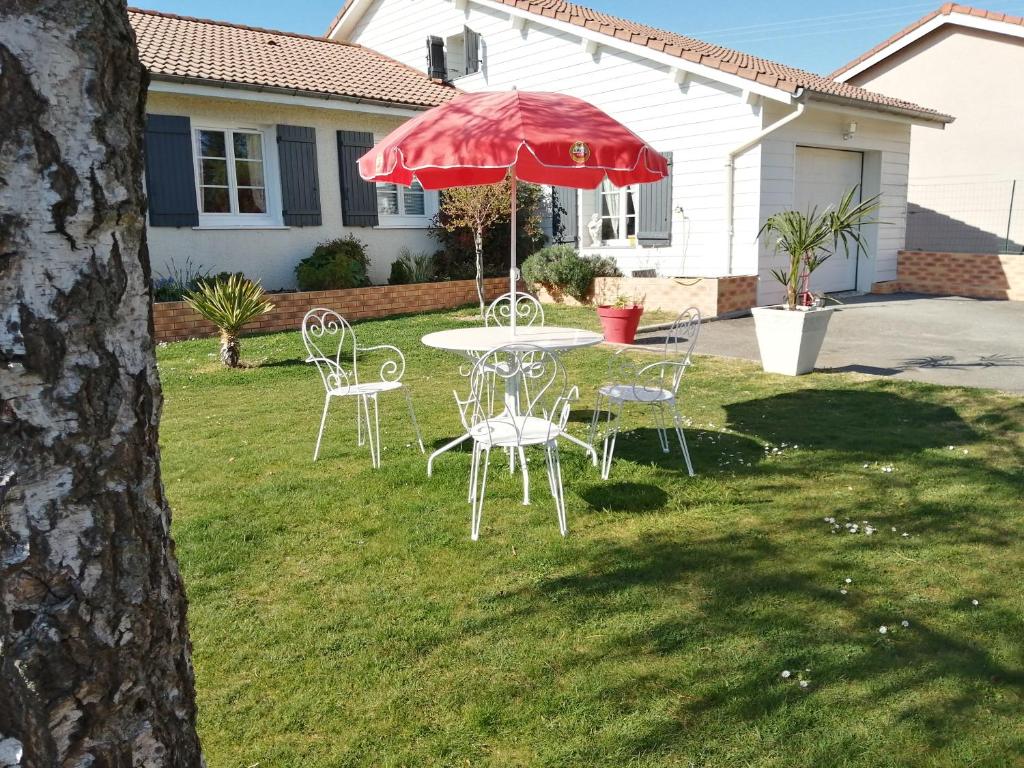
[
  {"x": 175, "y": 320},
  {"x": 713, "y": 296},
  {"x": 976, "y": 275}
]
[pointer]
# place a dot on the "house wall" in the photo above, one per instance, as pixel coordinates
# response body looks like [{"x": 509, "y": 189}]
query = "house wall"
[
  {"x": 886, "y": 148},
  {"x": 270, "y": 254},
  {"x": 961, "y": 177},
  {"x": 698, "y": 122}
]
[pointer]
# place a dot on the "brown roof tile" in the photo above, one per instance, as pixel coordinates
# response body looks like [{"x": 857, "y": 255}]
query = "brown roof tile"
[
  {"x": 946, "y": 10},
  {"x": 753, "y": 68},
  {"x": 198, "y": 49}
]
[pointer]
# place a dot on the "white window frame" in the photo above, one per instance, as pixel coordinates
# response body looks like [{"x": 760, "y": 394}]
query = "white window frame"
[
  {"x": 406, "y": 221},
  {"x": 271, "y": 179},
  {"x": 621, "y": 242}
]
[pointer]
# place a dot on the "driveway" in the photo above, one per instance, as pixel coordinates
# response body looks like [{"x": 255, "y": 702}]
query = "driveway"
[{"x": 939, "y": 340}]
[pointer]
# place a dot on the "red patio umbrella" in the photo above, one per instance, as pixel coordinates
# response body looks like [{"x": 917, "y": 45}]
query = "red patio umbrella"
[{"x": 544, "y": 138}]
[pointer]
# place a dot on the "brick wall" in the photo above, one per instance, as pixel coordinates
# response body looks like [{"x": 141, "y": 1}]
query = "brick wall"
[
  {"x": 175, "y": 320},
  {"x": 976, "y": 275},
  {"x": 713, "y": 296}
]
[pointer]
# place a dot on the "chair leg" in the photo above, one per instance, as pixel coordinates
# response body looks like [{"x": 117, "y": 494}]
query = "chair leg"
[
  {"x": 660, "y": 423},
  {"x": 611, "y": 435},
  {"x": 365, "y": 402},
  {"x": 360, "y": 440},
  {"x": 595, "y": 418},
  {"x": 478, "y": 495},
  {"x": 415, "y": 424},
  {"x": 526, "y": 476},
  {"x": 555, "y": 483},
  {"x": 443, "y": 449},
  {"x": 472, "y": 472},
  {"x": 678, "y": 418},
  {"x": 323, "y": 423},
  {"x": 376, "y": 429}
]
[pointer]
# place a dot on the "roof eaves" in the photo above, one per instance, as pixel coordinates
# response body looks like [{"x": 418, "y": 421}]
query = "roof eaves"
[{"x": 924, "y": 115}]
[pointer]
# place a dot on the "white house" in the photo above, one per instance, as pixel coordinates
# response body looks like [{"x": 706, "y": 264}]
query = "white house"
[
  {"x": 747, "y": 137},
  {"x": 251, "y": 144},
  {"x": 967, "y": 182}
]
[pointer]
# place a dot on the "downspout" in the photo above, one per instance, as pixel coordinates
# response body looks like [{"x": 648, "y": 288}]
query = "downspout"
[{"x": 730, "y": 170}]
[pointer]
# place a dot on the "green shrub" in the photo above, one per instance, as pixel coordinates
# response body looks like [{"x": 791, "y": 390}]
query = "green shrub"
[
  {"x": 173, "y": 284},
  {"x": 411, "y": 268},
  {"x": 561, "y": 269},
  {"x": 339, "y": 263}
]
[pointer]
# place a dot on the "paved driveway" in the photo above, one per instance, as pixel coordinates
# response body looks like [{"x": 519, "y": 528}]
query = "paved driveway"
[{"x": 941, "y": 340}]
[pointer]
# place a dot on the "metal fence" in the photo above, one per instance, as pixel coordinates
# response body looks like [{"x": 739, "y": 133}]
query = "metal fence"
[{"x": 966, "y": 217}]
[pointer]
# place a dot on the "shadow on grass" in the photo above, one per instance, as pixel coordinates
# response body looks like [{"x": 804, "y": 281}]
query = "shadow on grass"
[
  {"x": 625, "y": 497},
  {"x": 868, "y": 421},
  {"x": 751, "y": 616},
  {"x": 709, "y": 451}
]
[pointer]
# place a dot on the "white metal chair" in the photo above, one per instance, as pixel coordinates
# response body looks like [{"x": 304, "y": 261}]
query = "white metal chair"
[
  {"x": 655, "y": 385},
  {"x": 331, "y": 344},
  {"x": 529, "y": 311},
  {"x": 503, "y": 412}
]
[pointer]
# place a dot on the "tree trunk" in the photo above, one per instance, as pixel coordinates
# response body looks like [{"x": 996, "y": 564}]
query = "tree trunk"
[
  {"x": 230, "y": 350},
  {"x": 478, "y": 244},
  {"x": 95, "y": 665}
]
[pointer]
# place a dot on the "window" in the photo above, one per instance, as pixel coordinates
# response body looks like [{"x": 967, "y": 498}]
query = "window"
[
  {"x": 462, "y": 54},
  {"x": 399, "y": 205},
  {"x": 232, "y": 176},
  {"x": 617, "y": 206}
]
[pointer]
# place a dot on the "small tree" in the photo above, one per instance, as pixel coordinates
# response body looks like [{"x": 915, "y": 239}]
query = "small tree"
[
  {"x": 810, "y": 239},
  {"x": 478, "y": 209},
  {"x": 229, "y": 304}
]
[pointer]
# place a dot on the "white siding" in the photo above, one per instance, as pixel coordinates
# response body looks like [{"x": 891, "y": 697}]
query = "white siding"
[
  {"x": 886, "y": 148},
  {"x": 699, "y": 122},
  {"x": 271, "y": 254}
]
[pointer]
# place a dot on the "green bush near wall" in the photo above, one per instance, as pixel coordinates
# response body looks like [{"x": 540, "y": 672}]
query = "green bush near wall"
[
  {"x": 338, "y": 263},
  {"x": 562, "y": 268}
]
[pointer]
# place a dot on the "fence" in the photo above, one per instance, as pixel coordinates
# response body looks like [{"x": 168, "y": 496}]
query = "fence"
[{"x": 966, "y": 217}]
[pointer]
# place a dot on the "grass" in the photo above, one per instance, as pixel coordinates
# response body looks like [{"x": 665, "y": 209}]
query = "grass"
[{"x": 341, "y": 616}]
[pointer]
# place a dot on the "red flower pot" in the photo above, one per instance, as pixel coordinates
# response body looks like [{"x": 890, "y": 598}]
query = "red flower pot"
[{"x": 619, "y": 325}]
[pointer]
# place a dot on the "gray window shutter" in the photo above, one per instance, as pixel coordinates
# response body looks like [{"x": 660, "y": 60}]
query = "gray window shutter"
[
  {"x": 472, "y": 49},
  {"x": 565, "y": 214},
  {"x": 655, "y": 225},
  {"x": 358, "y": 197},
  {"x": 437, "y": 65},
  {"x": 170, "y": 173},
  {"x": 300, "y": 185}
]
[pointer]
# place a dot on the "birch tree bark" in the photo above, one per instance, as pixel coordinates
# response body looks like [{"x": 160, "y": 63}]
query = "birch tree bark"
[{"x": 95, "y": 665}]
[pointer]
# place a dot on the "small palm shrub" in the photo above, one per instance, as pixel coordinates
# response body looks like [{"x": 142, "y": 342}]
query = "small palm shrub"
[
  {"x": 810, "y": 239},
  {"x": 338, "y": 263},
  {"x": 229, "y": 304},
  {"x": 411, "y": 268},
  {"x": 561, "y": 269}
]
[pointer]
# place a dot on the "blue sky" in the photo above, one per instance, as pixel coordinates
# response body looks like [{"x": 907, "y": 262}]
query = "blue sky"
[{"x": 816, "y": 36}]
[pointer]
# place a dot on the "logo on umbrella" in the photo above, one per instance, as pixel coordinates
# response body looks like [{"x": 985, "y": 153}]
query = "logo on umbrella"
[{"x": 579, "y": 152}]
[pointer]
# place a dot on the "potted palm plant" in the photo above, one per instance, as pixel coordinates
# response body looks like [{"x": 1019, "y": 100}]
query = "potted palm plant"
[
  {"x": 789, "y": 336},
  {"x": 229, "y": 304}
]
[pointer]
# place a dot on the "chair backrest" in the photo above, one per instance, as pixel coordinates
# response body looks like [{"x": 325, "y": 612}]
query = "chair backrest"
[
  {"x": 534, "y": 378},
  {"x": 528, "y": 309},
  {"x": 331, "y": 344},
  {"x": 680, "y": 340}
]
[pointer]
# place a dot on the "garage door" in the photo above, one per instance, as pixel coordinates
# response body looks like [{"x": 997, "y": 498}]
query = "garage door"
[{"x": 823, "y": 176}]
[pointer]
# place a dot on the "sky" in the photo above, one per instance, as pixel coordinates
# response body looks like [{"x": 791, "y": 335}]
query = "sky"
[{"x": 817, "y": 36}]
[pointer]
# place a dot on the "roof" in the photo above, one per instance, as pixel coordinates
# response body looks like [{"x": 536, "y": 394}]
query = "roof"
[
  {"x": 772, "y": 74},
  {"x": 946, "y": 10},
  {"x": 184, "y": 48}
]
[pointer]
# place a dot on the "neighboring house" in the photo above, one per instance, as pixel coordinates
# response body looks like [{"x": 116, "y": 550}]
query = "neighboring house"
[
  {"x": 252, "y": 141},
  {"x": 746, "y": 137},
  {"x": 968, "y": 62}
]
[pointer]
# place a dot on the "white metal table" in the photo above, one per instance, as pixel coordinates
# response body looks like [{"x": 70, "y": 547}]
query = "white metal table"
[{"x": 479, "y": 339}]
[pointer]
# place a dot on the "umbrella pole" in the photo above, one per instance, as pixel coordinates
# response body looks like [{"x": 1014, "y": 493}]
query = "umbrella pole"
[{"x": 513, "y": 273}]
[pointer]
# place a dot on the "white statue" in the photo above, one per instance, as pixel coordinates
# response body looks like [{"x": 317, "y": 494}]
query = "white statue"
[{"x": 594, "y": 227}]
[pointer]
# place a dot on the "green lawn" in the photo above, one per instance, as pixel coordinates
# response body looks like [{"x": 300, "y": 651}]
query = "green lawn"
[{"x": 341, "y": 616}]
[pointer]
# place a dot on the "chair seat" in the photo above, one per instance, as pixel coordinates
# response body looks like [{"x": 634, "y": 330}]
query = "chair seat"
[
  {"x": 366, "y": 388},
  {"x": 506, "y": 431},
  {"x": 627, "y": 393}
]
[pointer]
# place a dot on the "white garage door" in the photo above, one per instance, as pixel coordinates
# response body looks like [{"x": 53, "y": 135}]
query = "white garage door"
[{"x": 823, "y": 176}]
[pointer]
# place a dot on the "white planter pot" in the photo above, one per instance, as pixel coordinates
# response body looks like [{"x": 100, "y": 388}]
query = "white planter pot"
[{"x": 790, "y": 340}]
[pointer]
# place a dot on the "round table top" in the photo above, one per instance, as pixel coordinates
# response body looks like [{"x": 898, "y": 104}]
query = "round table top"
[{"x": 482, "y": 339}]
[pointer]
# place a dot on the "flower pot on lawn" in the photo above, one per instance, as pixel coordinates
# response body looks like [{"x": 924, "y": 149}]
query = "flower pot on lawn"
[
  {"x": 790, "y": 339},
  {"x": 619, "y": 325}
]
